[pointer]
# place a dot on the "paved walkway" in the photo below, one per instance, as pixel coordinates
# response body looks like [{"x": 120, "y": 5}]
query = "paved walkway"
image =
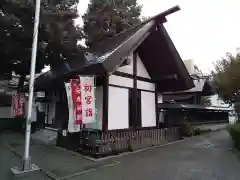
[
  {"x": 213, "y": 127},
  {"x": 207, "y": 157}
]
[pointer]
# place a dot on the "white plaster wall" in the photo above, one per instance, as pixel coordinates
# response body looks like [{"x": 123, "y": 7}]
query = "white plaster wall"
[
  {"x": 128, "y": 68},
  {"x": 5, "y": 112},
  {"x": 141, "y": 70},
  {"x": 121, "y": 81},
  {"x": 99, "y": 108},
  {"x": 148, "y": 109},
  {"x": 160, "y": 98},
  {"x": 145, "y": 85},
  {"x": 118, "y": 114},
  {"x": 216, "y": 101}
]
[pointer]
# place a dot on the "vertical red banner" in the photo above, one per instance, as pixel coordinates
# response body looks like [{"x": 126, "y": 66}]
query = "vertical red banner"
[
  {"x": 14, "y": 105},
  {"x": 21, "y": 105},
  {"x": 77, "y": 102},
  {"x": 18, "y": 105}
]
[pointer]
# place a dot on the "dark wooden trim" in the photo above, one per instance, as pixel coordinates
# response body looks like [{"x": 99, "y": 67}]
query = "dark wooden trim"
[
  {"x": 47, "y": 107},
  {"x": 134, "y": 92},
  {"x": 145, "y": 79},
  {"x": 130, "y": 112},
  {"x": 124, "y": 87},
  {"x": 105, "y": 102},
  {"x": 119, "y": 86},
  {"x": 131, "y": 76},
  {"x": 179, "y": 93},
  {"x": 147, "y": 90},
  {"x": 123, "y": 74},
  {"x": 139, "y": 109},
  {"x": 47, "y": 112},
  {"x": 156, "y": 105}
]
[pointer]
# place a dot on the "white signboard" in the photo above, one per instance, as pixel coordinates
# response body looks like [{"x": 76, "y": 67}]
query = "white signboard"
[{"x": 88, "y": 99}]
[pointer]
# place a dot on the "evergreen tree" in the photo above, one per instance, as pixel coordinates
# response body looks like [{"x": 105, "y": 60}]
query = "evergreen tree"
[
  {"x": 107, "y": 18},
  {"x": 206, "y": 101},
  {"x": 226, "y": 78},
  {"x": 57, "y": 34}
]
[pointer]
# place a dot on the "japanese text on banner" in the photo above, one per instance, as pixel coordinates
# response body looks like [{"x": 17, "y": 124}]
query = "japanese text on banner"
[
  {"x": 88, "y": 99},
  {"x": 18, "y": 105},
  {"x": 77, "y": 104}
]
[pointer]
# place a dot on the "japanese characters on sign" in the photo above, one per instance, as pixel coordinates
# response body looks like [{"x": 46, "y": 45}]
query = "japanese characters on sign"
[
  {"x": 81, "y": 102},
  {"x": 77, "y": 104},
  {"x": 18, "y": 105},
  {"x": 88, "y": 99},
  {"x": 21, "y": 105},
  {"x": 14, "y": 105}
]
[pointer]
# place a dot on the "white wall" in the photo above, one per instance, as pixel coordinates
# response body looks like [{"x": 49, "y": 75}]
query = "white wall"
[
  {"x": 118, "y": 108},
  {"x": 216, "y": 101},
  {"x": 99, "y": 106},
  {"x": 148, "y": 109},
  {"x": 141, "y": 70},
  {"x": 145, "y": 85},
  {"x": 128, "y": 68},
  {"x": 118, "y": 115},
  {"x": 160, "y": 98},
  {"x": 5, "y": 112},
  {"x": 121, "y": 81}
]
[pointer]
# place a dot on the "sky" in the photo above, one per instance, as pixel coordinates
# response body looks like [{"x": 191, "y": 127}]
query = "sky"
[{"x": 203, "y": 30}]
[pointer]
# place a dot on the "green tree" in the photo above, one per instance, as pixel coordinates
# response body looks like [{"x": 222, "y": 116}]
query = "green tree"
[
  {"x": 57, "y": 40},
  {"x": 206, "y": 101},
  {"x": 226, "y": 77},
  {"x": 107, "y": 18}
]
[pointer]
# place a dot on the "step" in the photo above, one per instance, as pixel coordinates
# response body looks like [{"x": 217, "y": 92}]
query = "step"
[{"x": 45, "y": 136}]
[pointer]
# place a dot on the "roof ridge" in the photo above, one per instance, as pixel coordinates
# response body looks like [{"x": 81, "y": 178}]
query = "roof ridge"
[{"x": 162, "y": 14}]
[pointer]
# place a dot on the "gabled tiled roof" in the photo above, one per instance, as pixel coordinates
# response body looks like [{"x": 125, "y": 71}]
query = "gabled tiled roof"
[
  {"x": 105, "y": 56},
  {"x": 201, "y": 85}
]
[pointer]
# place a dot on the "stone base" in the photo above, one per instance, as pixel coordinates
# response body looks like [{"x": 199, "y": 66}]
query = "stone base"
[{"x": 19, "y": 171}]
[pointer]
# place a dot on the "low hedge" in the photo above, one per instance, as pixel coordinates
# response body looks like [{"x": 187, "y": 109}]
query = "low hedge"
[
  {"x": 187, "y": 130},
  {"x": 234, "y": 131}
]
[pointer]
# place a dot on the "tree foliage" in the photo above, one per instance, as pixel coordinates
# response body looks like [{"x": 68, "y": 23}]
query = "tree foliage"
[
  {"x": 206, "y": 101},
  {"x": 107, "y": 18},
  {"x": 57, "y": 39},
  {"x": 226, "y": 78}
]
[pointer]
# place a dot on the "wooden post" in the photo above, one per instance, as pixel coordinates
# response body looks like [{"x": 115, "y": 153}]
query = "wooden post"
[{"x": 105, "y": 102}]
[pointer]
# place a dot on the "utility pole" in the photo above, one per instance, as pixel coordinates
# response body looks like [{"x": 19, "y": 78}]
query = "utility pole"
[{"x": 27, "y": 166}]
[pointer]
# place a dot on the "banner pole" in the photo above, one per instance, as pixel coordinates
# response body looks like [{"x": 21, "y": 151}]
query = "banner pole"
[{"x": 26, "y": 162}]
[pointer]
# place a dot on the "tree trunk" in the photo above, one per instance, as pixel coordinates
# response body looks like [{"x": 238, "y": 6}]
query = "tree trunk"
[{"x": 21, "y": 82}]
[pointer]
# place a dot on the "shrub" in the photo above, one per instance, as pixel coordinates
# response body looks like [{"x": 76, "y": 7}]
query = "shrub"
[
  {"x": 234, "y": 131},
  {"x": 197, "y": 131},
  {"x": 186, "y": 130}
]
